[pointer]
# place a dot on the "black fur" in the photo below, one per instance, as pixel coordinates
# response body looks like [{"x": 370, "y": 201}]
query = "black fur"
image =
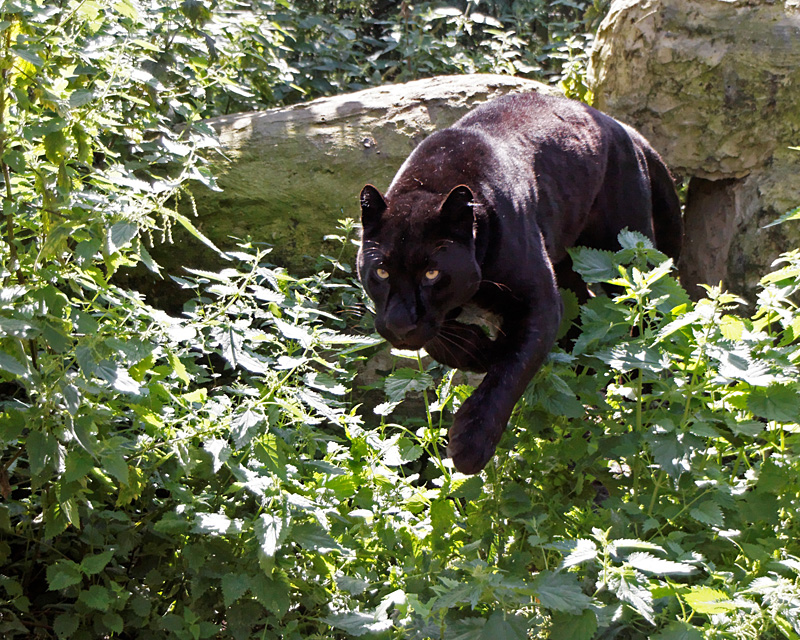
[{"x": 482, "y": 214}]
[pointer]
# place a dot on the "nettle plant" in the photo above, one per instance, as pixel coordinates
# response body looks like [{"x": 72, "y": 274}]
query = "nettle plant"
[
  {"x": 649, "y": 485},
  {"x": 216, "y": 474}
]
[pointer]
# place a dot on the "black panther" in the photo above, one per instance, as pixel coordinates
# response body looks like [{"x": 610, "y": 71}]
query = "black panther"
[{"x": 481, "y": 215}]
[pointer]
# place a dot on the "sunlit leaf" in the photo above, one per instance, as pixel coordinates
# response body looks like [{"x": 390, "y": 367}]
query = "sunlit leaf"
[{"x": 708, "y": 601}]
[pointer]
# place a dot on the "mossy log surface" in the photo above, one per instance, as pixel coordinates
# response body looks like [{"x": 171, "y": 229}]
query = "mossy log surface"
[{"x": 287, "y": 175}]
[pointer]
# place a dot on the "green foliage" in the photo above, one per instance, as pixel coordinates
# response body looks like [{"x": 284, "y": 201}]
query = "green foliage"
[{"x": 219, "y": 475}]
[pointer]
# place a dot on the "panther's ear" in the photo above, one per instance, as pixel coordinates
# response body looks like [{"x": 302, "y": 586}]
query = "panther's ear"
[
  {"x": 458, "y": 214},
  {"x": 372, "y": 207}
]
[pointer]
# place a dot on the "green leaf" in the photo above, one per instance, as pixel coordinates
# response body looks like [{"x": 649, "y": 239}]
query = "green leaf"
[
  {"x": 126, "y": 9},
  {"x": 120, "y": 235},
  {"x": 56, "y": 241},
  {"x": 313, "y": 537},
  {"x": 178, "y": 368},
  {"x": 234, "y": 586},
  {"x": 272, "y": 592},
  {"x": 187, "y": 224},
  {"x": 96, "y": 597},
  {"x": 271, "y": 531},
  {"x": 679, "y": 630},
  {"x": 579, "y": 551},
  {"x": 215, "y": 524},
  {"x": 708, "y": 512},
  {"x": 114, "y": 463},
  {"x": 91, "y": 565},
  {"x": 708, "y": 601},
  {"x": 594, "y": 265},
  {"x": 78, "y": 465},
  {"x": 220, "y": 452},
  {"x": 637, "y": 596},
  {"x": 358, "y": 624},
  {"x": 649, "y": 563},
  {"x": 118, "y": 377},
  {"x": 776, "y": 402},
  {"x": 113, "y": 621},
  {"x": 572, "y": 627},
  {"x": 172, "y": 523},
  {"x": 42, "y": 450},
  {"x": 56, "y": 520},
  {"x": 62, "y": 574},
  {"x": 10, "y": 364},
  {"x": 560, "y": 592},
  {"x": 28, "y": 56},
  {"x": 55, "y": 146},
  {"x": 404, "y": 381},
  {"x": 506, "y": 626},
  {"x": 66, "y": 624}
]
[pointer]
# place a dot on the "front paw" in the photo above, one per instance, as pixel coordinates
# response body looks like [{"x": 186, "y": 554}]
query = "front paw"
[{"x": 473, "y": 437}]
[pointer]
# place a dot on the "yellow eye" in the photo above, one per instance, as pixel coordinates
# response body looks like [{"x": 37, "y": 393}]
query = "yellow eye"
[
  {"x": 432, "y": 274},
  {"x": 382, "y": 273}
]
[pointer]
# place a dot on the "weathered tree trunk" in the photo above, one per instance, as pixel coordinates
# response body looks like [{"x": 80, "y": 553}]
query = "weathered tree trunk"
[{"x": 714, "y": 86}]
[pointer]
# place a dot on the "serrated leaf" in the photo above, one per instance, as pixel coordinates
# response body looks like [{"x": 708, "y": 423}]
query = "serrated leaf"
[
  {"x": 633, "y": 239},
  {"x": 118, "y": 377},
  {"x": 708, "y": 601},
  {"x": 77, "y": 465},
  {"x": 572, "y": 627},
  {"x": 776, "y": 402},
  {"x": 708, "y": 512},
  {"x": 594, "y": 265},
  {"x": 62, "y": 574},
  {"x": 55, "y": 146},
  {"x": 10, "y": 364},
  {"x": 187, "y": 224},
  {"x": 66, "y": 624},
  {"x": 578, "y": 552},
  {"x": 649, "y": 563},
  {"x": 560, "y": 592},
  {"x": 96, "y": 597},
  {"x": 245, "y": 425},
  {"x": 272, "y": 592},
  {"x": 114, "y": 462},
  {"x": 214, "y": 523},
  {"x": 637, "y": 597},
  {"x": 91, "y": 565},
  {"x": 678, "y": 630},
  {"x": 234, "y": 586},
  {"x": 294, "y": 332},
  {"x": 271, "y": 531},
  {"x": 120, "y": 235},
  {"x": 506, "y": 626},
  {"x": 28, "y": 56},
  {"x": 404, "y": 381},
  {"x": 113, "y": 621},
  {"x": 220, "y": 452},
  {"x": 312, "y": 537},
  {"x": 358, "y": 624}
]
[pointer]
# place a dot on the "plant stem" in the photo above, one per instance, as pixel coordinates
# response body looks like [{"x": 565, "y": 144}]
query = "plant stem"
[{"x": 9, "y": 194}]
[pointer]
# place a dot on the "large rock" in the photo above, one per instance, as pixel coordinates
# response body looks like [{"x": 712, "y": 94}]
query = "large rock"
[
  {"x": 289, "y": 174},
  {"x": 715, "y": 86}
]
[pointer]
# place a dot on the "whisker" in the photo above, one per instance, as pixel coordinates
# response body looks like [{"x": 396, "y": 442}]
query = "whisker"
[
  {"x": 469, "y": 346},
  {"x": 499, "y": 285}
]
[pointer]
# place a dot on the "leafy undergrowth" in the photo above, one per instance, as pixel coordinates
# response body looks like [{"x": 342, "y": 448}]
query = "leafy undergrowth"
[
  {"x": 222, "y": 474},
  {"x": 214, "y": 476}
]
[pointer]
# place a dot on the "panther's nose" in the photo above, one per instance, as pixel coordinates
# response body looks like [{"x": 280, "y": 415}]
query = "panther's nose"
[{"x": 400, "y": 330}]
